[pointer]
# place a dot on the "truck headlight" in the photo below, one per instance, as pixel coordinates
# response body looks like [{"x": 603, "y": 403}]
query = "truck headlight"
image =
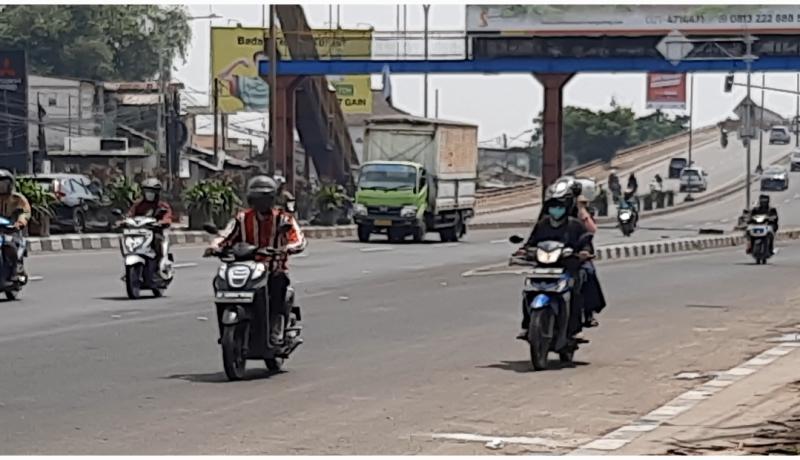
[
  {"x": 359, "y": 209},
  {"x": 408, "y": 211}
]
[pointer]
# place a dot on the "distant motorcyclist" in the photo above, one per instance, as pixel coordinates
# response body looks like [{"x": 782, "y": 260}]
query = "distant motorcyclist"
[
  {"x": 657, "y": 185},
  {"x": 14, "y": 205},
  {"x": 633, "y": 183},
  {"x": 151, "y": 205},
  {"x": 557, "y": 225},
  {"x": 764, "y": 209},
  {"x": 284, "y": 198},
  {"x": 614, "y": 186},
  {"x": 258, "y": 226}
]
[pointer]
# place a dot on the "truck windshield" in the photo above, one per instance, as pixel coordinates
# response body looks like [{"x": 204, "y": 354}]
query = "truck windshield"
[{"x": 388, "y": 177}]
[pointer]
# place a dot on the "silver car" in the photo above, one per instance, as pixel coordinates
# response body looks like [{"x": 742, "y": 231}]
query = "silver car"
[
  {"x": 775, "y": 178},
  {"x": 779, "y": 135}
]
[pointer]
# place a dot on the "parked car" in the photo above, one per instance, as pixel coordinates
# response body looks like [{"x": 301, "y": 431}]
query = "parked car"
[
  {"x": 80, "y": 205},
  {"x": 779, "y": 135},
  {"x": 693, "y": 179},
  {"x": 795, "y": 160},
  {"x": 676, "y": 165},
  {"x": 775, "y": 178}
]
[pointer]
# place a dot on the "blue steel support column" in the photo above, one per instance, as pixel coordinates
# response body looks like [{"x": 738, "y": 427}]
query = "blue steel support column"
[{"x": 552, "y": 153}]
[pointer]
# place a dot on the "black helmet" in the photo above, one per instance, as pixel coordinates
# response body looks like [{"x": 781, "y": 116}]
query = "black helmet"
[
  {"x": 261, "y": 192},
  {"x": 151, "y": 189},
  {"x": 6, "y": 177},
  {"x": 763, "y": 200}
]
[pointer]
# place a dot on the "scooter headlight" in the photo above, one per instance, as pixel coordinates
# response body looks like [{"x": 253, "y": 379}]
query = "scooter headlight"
[
  {"x": 221, "y": 271},
  {"x": 258, "y": 271},
  {"x": 760, "y": 219},
  {"x": 544, "y": 257},
  {"x": 625, "y": 215}
]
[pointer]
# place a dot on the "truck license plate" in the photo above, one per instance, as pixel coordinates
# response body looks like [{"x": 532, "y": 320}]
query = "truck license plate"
[{"x": 383, "y": 223}]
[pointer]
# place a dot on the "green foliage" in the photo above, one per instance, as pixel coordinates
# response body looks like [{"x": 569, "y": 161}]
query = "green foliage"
[
  {"x": 329, "y": 197},
  {"x": 41, "y": 201},
  {"x": 122, "y": 192},
  {"x": 597, "y": 135},
  {"x": 99, "y": 42},
  {"x": 214, "y": 197}
]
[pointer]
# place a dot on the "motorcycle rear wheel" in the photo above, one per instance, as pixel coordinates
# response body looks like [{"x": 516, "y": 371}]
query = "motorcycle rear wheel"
[
  {"x": 539, "y": 328},
  {"x": 233, "y": 359}
]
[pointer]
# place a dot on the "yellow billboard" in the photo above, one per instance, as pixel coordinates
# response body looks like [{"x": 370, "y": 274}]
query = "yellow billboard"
[{"x": 235, "y": 52}]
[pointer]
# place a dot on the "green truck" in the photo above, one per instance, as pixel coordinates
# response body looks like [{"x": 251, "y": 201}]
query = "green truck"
[{"x": 417, "y": 176}]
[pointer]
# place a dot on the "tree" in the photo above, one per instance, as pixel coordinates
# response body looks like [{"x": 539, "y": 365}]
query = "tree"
[
  {"x": 97, "y": 42},
  {"x": 598, "y": 135}
]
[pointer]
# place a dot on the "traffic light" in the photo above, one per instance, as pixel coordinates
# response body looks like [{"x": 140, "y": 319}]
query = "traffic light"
[{"x": 728, "y": 83}]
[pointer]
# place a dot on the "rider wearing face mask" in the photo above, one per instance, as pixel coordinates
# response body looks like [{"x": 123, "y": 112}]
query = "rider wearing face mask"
[
  {"x": 556, "y": 225},
  {"x": 151, "y": 206}
]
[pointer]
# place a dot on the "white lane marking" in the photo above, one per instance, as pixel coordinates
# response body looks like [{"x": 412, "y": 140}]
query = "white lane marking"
[
  {"x": 498, "y": 241},
  {"x": 378, "y": 249},
  {"x": 35, "y": 278},
  {"x": 524, "y": 440},
  {"x": 686, "y": 401},
  {"x": 185, "y": 265},
  {"x": 446, "y": 245}
]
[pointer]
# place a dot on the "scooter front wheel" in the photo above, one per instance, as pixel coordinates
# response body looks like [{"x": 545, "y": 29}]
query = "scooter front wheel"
[
  {"x": 274, "y": 364},
  {"x": 133, "y": 281},
  {"x": 233, "y": 359},
  {"x": 540, "y": 332}
]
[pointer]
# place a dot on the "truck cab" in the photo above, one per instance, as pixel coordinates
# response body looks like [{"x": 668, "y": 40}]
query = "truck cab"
[
  {"x": 391, "y": 197},
  {"x": 419, "y": 175}
]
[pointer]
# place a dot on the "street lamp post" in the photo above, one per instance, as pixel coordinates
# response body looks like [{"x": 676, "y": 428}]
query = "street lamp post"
[
  {"x": 759, "y": 169},
  {"x": 689, "y": 196},
  {"x": 797, "y": 114},
  {"x": 426, "y": 8},
  {"x": 748, "y": 124}
]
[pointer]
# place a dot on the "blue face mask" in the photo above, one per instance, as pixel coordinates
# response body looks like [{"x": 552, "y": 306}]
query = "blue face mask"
[{"x": 557, "y": 212}]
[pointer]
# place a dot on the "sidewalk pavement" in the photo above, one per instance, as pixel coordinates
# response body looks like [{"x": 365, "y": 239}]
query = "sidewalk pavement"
[{"x": 755, "y": 415}]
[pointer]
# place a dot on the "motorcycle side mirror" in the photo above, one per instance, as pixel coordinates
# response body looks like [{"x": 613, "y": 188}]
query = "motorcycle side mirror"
[
  {"x": 117, "y": 212},
  {"x": 516, "y": 239},
  {"x": 211, "y": 229},
  {"x": 290, "y": 206}
]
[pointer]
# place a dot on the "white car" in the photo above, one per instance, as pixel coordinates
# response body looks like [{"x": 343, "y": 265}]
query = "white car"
[
  {"x": 693, "y": 179},
  {"x": 795, "y": 161}
]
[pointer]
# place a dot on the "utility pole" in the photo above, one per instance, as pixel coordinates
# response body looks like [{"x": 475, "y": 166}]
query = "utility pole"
[
  {"x": 161, "y": 134},
  {"x": 691, "y": 118},
  {"x": 215, "y": 96},
  {"x": 761, "y": 124},
  {"x": 426, "y": 8},
  {"x": 41, "y": 139},
  {"x": 436, "y": 105},
  {"x": 273, "y": 84},
  {"x": 797, "y": 113},
  {"x": 748, "y": 122}
]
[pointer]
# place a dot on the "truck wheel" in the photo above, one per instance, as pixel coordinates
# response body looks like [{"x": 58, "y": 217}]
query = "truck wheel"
[
  {"x": 363, "y": 233},
  {"x": 448, "y": 235},
  {"x": 419, "y": 233}
]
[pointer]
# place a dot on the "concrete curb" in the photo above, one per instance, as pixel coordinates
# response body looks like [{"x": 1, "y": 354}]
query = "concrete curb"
[
  {"x": 646, "y": 249},
  {"x": 100, "y": 241}
]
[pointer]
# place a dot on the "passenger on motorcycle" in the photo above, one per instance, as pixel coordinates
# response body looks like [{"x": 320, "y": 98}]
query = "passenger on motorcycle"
[
  {"x": 258, "y": 225},
  {"x": 14, "y": 204},
  {"x": 557, "y": 225},
  {"x": 151, "y": 205},
  {"x": 764, "y": 209}
]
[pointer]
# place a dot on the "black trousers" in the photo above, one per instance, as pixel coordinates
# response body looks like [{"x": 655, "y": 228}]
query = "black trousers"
[{"x": 277, "y": 285}]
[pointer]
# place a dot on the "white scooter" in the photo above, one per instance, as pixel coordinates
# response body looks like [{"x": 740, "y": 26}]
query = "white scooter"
[{"x": 142, "y": 269}]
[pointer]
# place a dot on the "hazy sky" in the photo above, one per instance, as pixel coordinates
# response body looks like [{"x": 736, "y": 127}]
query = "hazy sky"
[{"x": 497, "y": 103}]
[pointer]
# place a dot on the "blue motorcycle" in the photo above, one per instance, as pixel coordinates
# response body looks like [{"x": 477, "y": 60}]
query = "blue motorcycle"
[
  {"x": 11, "y": 237},
  {"x": 547, "y": 296}
]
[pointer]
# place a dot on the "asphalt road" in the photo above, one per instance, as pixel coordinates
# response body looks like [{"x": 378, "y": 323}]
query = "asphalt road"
[
  {"x": 723, "y": 166},
  {"x": 399, "y": 345}
]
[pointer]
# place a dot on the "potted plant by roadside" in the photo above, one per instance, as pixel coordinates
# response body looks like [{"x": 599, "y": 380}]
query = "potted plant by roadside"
[
  {"x": 211, "y": 201},
  {"x": 41, "y": 201},
  {"x": 329, "y": 202},
  {"x": 121, "y": 193}
]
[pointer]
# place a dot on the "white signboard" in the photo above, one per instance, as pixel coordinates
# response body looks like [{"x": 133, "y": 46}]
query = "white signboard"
[{"x": 632, "y": 19}]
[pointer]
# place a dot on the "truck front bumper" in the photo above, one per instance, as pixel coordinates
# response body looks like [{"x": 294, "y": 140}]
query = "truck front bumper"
[{"x": 378, "y": 223}]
